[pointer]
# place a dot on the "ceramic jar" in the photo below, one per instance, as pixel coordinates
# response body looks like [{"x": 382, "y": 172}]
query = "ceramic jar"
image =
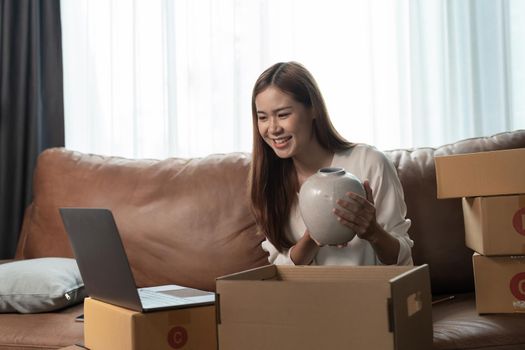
[{"x": 317, "y": 198}]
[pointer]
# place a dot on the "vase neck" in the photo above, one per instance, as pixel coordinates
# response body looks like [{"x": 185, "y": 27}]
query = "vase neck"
[{"x": 331, "y": 171}]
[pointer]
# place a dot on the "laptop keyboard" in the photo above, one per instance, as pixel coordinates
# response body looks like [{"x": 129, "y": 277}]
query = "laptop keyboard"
[{"x": 152, "y": 299}]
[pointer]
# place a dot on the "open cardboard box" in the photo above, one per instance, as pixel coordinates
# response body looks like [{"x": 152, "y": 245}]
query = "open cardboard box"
[
  {"x": 495, "y": 225},
  {"x": 500, "y": 283},
  {"x": 109, "y": 327},
  {"x": 481, "y": 174},
  {"x": 325, "y": 307}
]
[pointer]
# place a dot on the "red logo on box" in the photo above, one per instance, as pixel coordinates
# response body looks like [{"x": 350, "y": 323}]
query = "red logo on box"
[
  {"x": 517, "y": 286},
  {"x": 518, "y": 221},
  {"x": 177, "y": 337}
]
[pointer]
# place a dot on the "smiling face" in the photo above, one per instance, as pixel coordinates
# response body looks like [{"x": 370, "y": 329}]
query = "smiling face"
[{"x": 284, "y": 124}]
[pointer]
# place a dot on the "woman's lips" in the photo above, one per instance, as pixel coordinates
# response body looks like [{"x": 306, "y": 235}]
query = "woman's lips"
[{"x": 281, "y": 142}]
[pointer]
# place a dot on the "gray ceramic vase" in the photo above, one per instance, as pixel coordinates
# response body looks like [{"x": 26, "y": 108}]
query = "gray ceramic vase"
[{"x": 317, "y": 198}]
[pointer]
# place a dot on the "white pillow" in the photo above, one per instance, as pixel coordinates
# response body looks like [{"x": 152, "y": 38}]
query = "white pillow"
[{"x": 40, "y": 285}]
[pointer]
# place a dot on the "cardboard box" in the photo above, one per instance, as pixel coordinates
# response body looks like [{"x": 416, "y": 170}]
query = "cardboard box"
[
  {"x": 500, "y": 284},
  {"x": 481, "y": 174},
  {"x": 109, "y": 327},
  {"x": 325, "y": 307},
  {"x": 495, "y": 225}
]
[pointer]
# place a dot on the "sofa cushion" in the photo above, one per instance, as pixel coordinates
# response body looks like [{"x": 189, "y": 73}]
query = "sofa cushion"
[
  {"x": 457, "y": 325},
  {"x": 182, "y": 221},
  {"x": 40, "y": 285},
  {"x": 49, "y": 330}
]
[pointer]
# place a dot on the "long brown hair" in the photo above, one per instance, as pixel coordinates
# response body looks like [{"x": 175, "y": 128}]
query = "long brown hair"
[{"x": 273, "y": 181}]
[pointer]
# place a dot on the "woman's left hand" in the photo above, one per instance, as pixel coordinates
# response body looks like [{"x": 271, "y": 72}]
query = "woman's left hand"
[{"x": 358, "y": 213}]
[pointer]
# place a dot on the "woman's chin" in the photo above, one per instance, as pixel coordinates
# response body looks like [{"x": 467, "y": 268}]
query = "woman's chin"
[{"x": 283, "y": 153}]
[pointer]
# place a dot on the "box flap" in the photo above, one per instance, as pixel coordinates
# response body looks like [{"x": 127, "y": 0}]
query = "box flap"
[
  {"x": 257, "y": 274},
  {"x": 411, "y": 309}
]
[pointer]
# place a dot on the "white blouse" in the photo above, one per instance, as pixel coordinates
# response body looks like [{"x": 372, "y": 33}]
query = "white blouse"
[{"x": 367, "y": 163}]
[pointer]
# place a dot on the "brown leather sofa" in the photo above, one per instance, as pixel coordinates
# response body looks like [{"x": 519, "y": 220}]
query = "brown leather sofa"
[{"x": 187, "y": 221}]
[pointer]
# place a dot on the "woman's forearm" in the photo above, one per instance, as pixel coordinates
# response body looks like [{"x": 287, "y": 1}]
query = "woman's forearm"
[
  {"x": 385, "y": 245},
  {"x": 304, "y": 251}
]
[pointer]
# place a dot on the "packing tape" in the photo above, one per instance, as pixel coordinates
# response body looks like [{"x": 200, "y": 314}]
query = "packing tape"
[
  {"x": 518, "y": 305},
  {"x": 182, "y": 316},
  {"x": 516, "y": 259}
]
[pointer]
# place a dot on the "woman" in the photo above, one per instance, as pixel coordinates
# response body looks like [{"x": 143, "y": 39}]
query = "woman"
[{"x": 292, "y": 139}]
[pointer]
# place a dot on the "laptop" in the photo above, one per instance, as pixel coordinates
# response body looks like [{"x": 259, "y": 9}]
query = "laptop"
[{"x": 105, "y": 269}]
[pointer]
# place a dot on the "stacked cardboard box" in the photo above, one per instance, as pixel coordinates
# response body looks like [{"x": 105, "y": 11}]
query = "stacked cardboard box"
[
  {"x": 492, "y": 185},
  {"x": 109, "y": 327}
]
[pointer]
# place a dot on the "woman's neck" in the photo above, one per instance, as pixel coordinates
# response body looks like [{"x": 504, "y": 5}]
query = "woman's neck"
[{"x": 309, "y": 164}]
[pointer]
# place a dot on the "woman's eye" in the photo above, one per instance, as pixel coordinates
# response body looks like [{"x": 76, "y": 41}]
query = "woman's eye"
[
  {"x": 284, "y": 115},
  {"x": 261, "y": 118}
]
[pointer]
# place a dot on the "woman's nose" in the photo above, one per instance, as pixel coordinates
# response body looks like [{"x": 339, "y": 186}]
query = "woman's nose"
[{"x": 274, "y": 125}]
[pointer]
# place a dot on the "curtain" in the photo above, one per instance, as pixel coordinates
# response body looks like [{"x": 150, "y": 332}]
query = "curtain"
[
  {"x": 31, "y": 110},
  {"x": 159, "y": 78},
  {"x": 467, "y": 71}
]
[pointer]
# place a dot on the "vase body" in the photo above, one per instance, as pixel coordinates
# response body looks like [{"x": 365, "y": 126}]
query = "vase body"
[{"x": 317, "y": 199}]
